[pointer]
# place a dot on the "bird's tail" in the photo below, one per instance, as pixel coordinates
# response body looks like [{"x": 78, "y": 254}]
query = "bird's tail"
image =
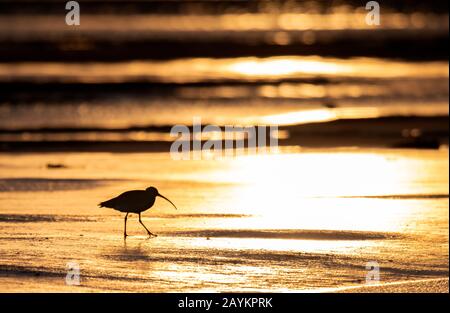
[{"x": 107, "y": 204}]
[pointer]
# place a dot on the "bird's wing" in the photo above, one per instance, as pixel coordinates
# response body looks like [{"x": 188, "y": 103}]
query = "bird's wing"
[
  {"x": 114, "y": 202},
  {"x": 130, "y": 200}
]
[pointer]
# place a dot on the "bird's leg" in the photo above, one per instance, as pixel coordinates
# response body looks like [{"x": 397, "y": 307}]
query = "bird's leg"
[
  {"x": 125, "y": 229},
  {"x": 149, "y": 232}
]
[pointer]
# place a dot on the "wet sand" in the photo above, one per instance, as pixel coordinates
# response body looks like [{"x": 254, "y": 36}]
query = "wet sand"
[{"x": 234, "y": 230}]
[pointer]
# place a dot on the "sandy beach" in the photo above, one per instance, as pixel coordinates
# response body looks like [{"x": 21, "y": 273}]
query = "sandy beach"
[{"x": 302, "y": 235}]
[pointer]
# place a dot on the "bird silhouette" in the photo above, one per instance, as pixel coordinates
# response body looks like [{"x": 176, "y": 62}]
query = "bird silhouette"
[{"x": 134, "y": 201}]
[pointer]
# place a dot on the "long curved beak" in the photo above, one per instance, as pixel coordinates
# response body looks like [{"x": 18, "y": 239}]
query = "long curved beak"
[{"x": 160, "y": 195}]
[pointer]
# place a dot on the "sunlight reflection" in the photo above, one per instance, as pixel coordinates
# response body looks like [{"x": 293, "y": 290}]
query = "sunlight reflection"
[
  {"x": 306, "y": 66},
  {"x": 319, "y": 174},
  {"x": 285, "y": 66},
  {"x": 319, "y": 115},
  {"x": 324, "y": 191},
  {"x": 305, "y": 246},
  {"x": 204, "y": 69}
]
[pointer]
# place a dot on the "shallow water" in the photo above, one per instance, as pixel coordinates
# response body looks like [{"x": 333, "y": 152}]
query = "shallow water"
[{"x": 304, "y": 220}]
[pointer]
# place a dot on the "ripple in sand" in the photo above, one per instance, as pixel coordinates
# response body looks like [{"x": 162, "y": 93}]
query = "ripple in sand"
[
  {"x": 48, "y": 184},
  {"x": 290, "y": 234},
  {"x": 33, "y": 218}
]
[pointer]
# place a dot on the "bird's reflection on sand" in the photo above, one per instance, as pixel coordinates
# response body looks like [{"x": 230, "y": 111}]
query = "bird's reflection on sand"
[{"x": 131, "y": 250}]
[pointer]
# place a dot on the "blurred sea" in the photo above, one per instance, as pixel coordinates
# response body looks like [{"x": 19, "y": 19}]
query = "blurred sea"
[{"x": 133, "y": 69}]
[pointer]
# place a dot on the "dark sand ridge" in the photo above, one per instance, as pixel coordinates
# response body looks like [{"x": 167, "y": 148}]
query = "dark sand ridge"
[{"x": 368, "y": 132}]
